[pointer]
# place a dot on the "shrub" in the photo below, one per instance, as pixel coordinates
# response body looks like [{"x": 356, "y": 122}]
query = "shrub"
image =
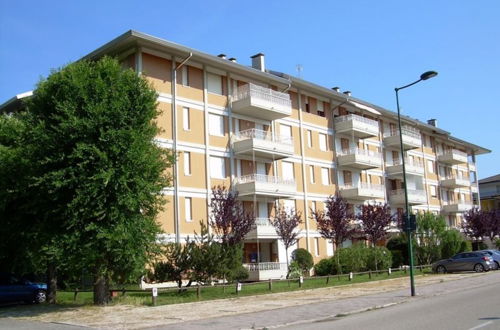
[
  {"x": 294, "y": 271},
  {"x": 324, "y": 267},
  {"x": 238, "y": 274},
  {"x": 378, "y": 257},
  {"x": 452, "y": 242},
  {"x": 352, "y": 259},
  {"x": 497, "y": 243},
  {"x": 303, "y": 258},
  {"x": 399, "y": 249}
]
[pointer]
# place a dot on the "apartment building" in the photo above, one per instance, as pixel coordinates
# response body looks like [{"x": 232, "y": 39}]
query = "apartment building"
[{"x": 281, "y": 140}]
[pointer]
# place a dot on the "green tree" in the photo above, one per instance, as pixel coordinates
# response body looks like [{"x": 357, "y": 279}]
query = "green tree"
[
  {"x": 452, "y": 242},
  {"x": 304, "y": 259},
  {"x": 430, "y": 229},
  {"x": 99, "y": 175}
]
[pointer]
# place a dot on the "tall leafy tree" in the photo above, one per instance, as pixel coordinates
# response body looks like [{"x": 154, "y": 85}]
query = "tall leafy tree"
[
  {"x": 482, "y": 223},
  {"x": 335, "y": 223},
  {"x": 99, "y": 174},
  {"x": 429, "y": 237},
  {"x": 374, "y": 220},
  {"x": 286, "y": 223}
]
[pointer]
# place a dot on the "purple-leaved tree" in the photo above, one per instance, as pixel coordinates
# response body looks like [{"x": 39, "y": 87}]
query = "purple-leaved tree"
[
  {"x": 480, "y": 223},
  {"x": 230, "y": 222},
  {"x": 374, "y": 221},
  {"x": 335, "y": 223},
  {"x": 286, "y": 222}
]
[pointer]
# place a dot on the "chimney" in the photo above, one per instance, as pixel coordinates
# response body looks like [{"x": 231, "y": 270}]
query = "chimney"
[
  {"x": 222, "y": 56},
  {"x": 232, "y": 59},
  {"x": 258, "y": 62},
  {"x": 348, "y": 93},
  {"x": 337, "y": 89},
  {"x": 433, "y": 122}
]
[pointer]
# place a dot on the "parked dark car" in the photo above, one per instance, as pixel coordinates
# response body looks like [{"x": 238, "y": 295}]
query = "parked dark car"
[
  {"x": 466, "y": 261},
  {"x": 495, "y": 255},
  {"x": 14, "y": 289}
]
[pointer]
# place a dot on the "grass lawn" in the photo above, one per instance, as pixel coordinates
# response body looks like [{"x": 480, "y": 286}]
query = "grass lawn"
[{"x": 170, "y": 296}]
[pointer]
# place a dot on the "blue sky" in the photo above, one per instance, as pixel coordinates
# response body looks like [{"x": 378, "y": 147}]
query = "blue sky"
[{"x": 367, "y": 47}]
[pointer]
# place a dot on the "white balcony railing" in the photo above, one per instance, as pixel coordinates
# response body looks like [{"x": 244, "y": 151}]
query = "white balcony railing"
[
  {"x": 262, "y": 222},
  {"x": 262, "y": 266},
  {"x": 254, "y": 133},
  {"x": 262, "y": 93},
  {"x": 453, "y": 152},
  {"x": 411, "y": 192},
  {"x": 262, "y": 178},
  {"x": 364, "y": 185},
  {"x": 408, "y": 162},
  {"x": 357, "y": 118},
  {"x": 408, "y": 131},
  {"x": 361, "y": 152}
]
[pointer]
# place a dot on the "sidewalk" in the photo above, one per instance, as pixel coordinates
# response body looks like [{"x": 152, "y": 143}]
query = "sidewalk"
[{"x": 271, "y": 311}]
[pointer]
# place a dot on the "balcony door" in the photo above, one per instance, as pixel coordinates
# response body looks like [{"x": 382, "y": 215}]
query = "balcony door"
[
  {"x": 263, "y": 210},
  {"x": 344, "y": 144},
  {"x": 261, "y": 168},
  {"x": 347, "y": 178}
]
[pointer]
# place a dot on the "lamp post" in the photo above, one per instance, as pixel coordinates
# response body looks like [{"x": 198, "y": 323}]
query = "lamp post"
[{"x": 423, "y": 76}]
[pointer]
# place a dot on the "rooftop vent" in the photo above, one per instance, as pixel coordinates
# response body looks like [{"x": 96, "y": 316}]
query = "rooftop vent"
[
  {"x": 433, "y": 122},
  {"x": 223, "y": 56},
  {"x": 337, "y": 89},
  {"x": 348, "y": 93},
  {"x": 232, "y": 59},
  {"x": 258, "y": 62}
]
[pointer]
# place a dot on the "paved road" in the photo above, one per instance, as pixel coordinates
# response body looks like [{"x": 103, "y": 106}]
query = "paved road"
[
  {"x": 308, "y": 316},
  {"x": 476, "y": 308}
]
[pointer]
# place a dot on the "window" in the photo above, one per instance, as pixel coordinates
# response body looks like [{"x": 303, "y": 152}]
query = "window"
[
  {"x": 217, "y": 167},
  {"x": 214, "y": 84},
  {"x": 185, "y": 76},
  {"x": 311, "y": 173},
  {"x": 313, "y": 206},
  {"x": 434, "y": 191},
  {"x": 287, "y": 170},
  {"x": 322, "y": 142},
  {"x": 344, "y": 145},
  {"x": 329, "y": 248},
  {"x": 289, "y": 204},
  {"x": 430, "y": 166},
  {"x": 320, "y": 107},
  {"x": 185, "y": 119},
  {"x": 188, "y": 210},
  {"x": 216, "y": 125},
  {"x": 187, "y": 163},
  {"x": 325, "y": 176},
  {"x": 347, "y": 178},
  {"x": 309, "y": 138},
  {"x": 285, "y": 131},
  {"x": 316, "y": 246}
]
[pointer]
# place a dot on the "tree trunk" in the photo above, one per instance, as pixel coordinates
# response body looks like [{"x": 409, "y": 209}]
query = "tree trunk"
[
  {"x": 51, "y": 283},
  {"x": 101, "y": 290},
  {"x": 287, "y": 264}
]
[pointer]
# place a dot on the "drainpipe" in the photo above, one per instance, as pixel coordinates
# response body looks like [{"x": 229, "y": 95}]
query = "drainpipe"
[
  {"x": 174, "y": 136},
  {"x": 304, "y": 180}
]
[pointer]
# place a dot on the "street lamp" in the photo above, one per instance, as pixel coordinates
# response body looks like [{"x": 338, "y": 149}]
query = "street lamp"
[{"x": 423, "y": 76}]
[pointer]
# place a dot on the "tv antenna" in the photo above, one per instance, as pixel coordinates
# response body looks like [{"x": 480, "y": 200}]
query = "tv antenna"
[{"x": 299, "y": 69}]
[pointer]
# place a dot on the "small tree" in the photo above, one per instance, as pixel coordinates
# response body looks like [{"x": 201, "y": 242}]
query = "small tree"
[
  {"x": 452, "y": 242},
  {"x": 335, "y": 224},
  {"x": 304, "y": 259},
  {"x": 285, "y": 223},
  {"x": 229, "y": 220},
  {"x": 375, "y": 220},
  {"x": 476, "y": 223},
  {"x": 429, "y": 233}
]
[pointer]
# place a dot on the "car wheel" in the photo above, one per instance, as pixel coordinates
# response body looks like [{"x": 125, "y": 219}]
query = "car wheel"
[
  {"x": 478, "y": 268},
  {"x": 441, "y": 269},
  {"x": 40, "y": 296}
]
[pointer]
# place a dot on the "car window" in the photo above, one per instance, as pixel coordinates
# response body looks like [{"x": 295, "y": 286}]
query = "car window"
[{"x": 458, "y": 256}]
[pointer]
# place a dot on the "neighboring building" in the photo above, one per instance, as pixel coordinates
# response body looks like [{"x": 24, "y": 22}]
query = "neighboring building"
[
  {"x": 280, "y": 139},
  {"x": 489, "y": 193}
]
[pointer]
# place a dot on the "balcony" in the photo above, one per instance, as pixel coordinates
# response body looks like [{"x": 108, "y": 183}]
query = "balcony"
[
  {"x": 456, "y": 207},
  {"x": 356, "y": 125},
  {"x": 412, "y": 167},
  {"x": 359, "y": 158},
  {"x": 261, "y": 102},
  {"x": 453, "y": 157},
  {"x": 472, "y": 166},
  {"x": 262, "y": 229},
  {"x": 411, "y": 138},
  {"x": 266, "y": 270},
  {"x": 415, "y": 197},
  {"x": 364, "y": 191},
  {"x": 262, "y": 144},
  {"x": 264, "y": 186},
  {"x": 453, "y": 182}
]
